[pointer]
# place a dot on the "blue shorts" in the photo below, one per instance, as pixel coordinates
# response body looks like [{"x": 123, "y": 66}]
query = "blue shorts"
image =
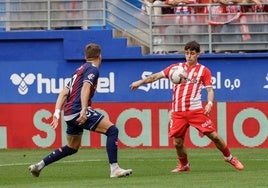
[{"x": 93, "y": 119}]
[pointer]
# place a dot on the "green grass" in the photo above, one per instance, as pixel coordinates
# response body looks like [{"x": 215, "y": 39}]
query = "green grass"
[{"x": 89, "y": 168}]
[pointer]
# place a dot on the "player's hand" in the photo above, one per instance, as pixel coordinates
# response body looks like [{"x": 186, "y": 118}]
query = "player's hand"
[
  {"x": 82, "y": 118},
  {"x": 208, "y": 108},
  {"x": 55, "y": 122},
  {"x": 134, "y": 85}
]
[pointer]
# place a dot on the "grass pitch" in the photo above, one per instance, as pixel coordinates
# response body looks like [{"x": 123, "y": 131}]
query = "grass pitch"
[{"x": 151, "y": 168}]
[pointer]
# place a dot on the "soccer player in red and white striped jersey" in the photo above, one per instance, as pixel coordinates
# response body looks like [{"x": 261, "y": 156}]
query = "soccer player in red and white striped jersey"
[{"x": 187, "y": 109}]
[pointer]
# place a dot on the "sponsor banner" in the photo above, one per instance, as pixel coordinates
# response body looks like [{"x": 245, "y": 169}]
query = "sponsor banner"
[
  {"x": 25, "y": 82},
  {"x": 142, "y": 125}
]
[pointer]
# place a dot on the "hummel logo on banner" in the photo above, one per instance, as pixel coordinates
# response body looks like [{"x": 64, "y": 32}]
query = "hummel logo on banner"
[
  {"x": 266, "y": 86},
  {"x": 22, "y": 81}
]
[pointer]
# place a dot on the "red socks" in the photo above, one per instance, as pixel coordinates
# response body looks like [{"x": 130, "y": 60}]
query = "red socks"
[
  {"x": 183, "y": 160},
  {"x": 226, "y": 152}
]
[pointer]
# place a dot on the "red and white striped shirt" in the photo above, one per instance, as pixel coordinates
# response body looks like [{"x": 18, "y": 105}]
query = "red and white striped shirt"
[{"x": 187, "y": 95}]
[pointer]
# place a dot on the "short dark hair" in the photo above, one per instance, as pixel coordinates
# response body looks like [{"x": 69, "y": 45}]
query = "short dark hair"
[
  {"x": 193, "y": 46},
  {"x": 92, "y": 51}
]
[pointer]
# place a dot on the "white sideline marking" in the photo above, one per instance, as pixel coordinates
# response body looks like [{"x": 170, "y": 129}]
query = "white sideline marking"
[
  {"x": 72, "y": 161},
  {"x": 98, "y": 160}
]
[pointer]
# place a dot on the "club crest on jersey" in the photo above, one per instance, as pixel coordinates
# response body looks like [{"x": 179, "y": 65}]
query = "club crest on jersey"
[
  {"x": 91, "y": 76},
  {"x": 191, "y": 80}
]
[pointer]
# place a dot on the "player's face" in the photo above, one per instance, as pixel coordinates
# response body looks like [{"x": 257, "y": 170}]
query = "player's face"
[{"x": 191, "y": 56}]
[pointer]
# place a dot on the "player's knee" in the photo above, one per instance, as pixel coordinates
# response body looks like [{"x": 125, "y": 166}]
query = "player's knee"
[
  {"x": 216, "y": 140},
  {"x": 113, "y": 130},
  {"x": 214, "y": 137},
  {"x": 68, "y": 150},
  {"x": 178, "y": 143}
]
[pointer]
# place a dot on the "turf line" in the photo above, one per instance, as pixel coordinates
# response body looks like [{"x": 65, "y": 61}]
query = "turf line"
[
  {"x": 99, "y": 160},
  {"x": 72, "y": 161}
]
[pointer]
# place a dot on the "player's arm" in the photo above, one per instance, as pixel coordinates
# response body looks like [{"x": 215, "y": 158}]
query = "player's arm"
[
  {"x": 85, "y": 94},
  {"x": 210, "y": 97},
  {"x": 59, "y": 103},
  {"x": 148, "y": 79}
]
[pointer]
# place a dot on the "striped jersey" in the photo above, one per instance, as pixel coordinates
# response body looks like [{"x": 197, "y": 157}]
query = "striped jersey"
[
  {"x": 85, "y": 73},
  {"x": 187, "y": 95}
]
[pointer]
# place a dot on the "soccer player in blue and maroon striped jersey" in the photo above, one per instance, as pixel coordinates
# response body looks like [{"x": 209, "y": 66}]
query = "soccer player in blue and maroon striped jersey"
[{"x": 75, "y": 99}]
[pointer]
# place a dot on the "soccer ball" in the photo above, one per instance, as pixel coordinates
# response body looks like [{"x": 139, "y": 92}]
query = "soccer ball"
[{"x": 176, "y": 74}]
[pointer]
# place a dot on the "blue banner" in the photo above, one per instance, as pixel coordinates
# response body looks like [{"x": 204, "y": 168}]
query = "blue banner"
[{"x": 40, "y": 82}]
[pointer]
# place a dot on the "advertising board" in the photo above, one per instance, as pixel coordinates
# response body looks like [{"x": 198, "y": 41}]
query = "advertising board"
[
  {"x": 35, "y": 66},
  {"x": 25, "y": 82},
  {"x": 140, "y": 125}
]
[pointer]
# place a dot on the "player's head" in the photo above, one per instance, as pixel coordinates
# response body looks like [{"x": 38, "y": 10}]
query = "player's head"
[
  {"x": 92, "y": 52},
  {"x": 192, "y": 46},
  {"x": 192, "y": 51}
]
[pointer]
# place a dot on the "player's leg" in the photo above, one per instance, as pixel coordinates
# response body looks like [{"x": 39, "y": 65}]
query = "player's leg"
[
  {"x": 222, "y": 146},
  {"x": 181, "y": 151},
  {"x": 69, "y": 149},
  {"x": 57, "y": 154},
  {"x": 105, "y": 126},
  {"x": 204, "y": 124},
  {"x": 74, "y": 136},
  {"x": 177, "y": 129}
]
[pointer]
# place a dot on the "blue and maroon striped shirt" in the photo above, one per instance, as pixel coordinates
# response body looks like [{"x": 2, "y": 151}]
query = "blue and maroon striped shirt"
[{"x": 85, "y": 73}]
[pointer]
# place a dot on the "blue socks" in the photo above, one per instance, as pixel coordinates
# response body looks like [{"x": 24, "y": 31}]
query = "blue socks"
[
  {"x": 111, "y": 148},
  {"x": 111, "y": 144},
  {"x": 59, "y": 154}
]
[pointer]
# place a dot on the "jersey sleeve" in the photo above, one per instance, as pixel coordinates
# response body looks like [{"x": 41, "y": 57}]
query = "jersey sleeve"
[
  {"x": 91, "y": 75},
  {"x": 207, "y": 78}
]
